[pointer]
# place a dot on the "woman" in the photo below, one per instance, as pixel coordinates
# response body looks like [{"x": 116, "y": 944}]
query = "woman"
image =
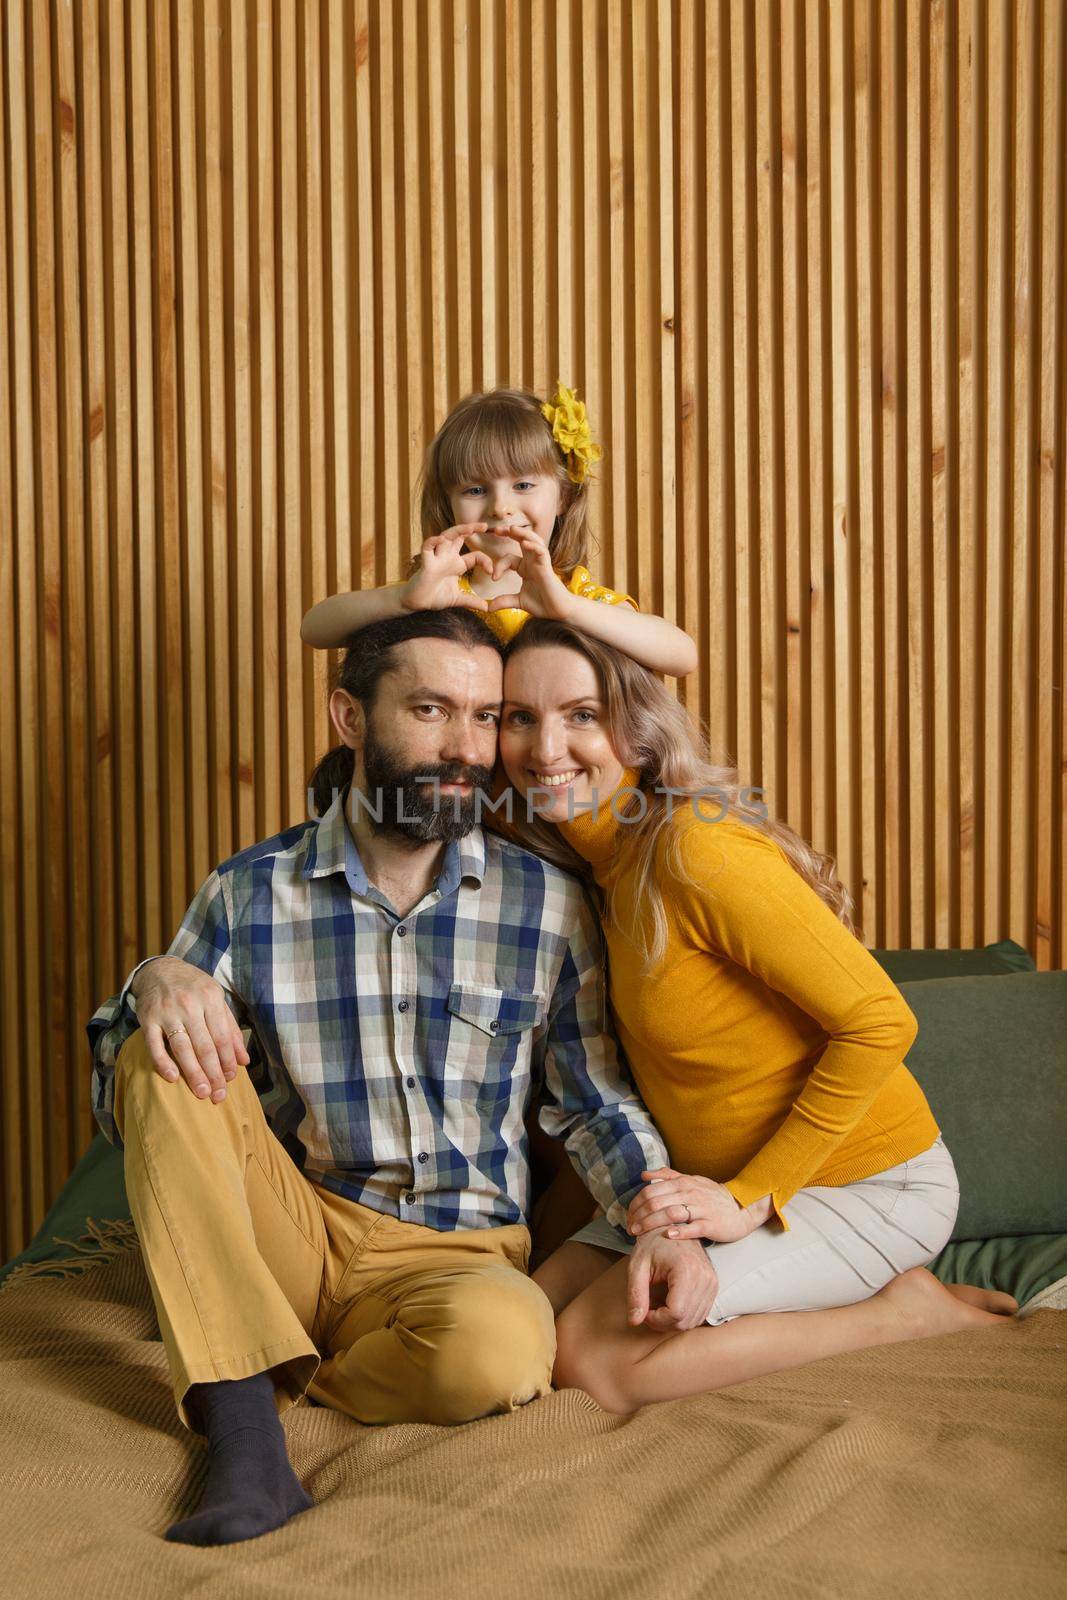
[{"x": 765, "y": 1040}]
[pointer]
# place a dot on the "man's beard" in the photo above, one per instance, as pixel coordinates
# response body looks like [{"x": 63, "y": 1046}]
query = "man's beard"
[{"x": 416, "y": 810}]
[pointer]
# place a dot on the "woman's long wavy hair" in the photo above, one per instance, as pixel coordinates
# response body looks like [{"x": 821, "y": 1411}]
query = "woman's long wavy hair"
[
  {"x": 494, "y": 435},
  {"x": 653, "y": 733}
]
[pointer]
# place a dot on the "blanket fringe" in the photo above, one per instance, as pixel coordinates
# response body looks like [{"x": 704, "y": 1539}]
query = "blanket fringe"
[{"x": 102, "y": 1241}]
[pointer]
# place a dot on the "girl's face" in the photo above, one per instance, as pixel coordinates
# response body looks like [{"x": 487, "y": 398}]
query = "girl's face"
[
  {"x": 554, "y": 733},
  {"x": 529, "y": 501}
]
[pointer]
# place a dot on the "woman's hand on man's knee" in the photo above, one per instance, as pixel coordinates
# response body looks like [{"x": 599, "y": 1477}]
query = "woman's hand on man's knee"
[{"x": 188, "y": 1027}]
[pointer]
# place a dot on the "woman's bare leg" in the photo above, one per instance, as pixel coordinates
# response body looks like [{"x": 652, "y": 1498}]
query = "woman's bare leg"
[
  {"x": 624, "y": 1367},
  {"x": 570, "y": 1269}
]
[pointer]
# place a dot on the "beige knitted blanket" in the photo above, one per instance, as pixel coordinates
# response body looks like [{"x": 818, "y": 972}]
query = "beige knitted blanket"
[{"x": 934, "y": 1469}]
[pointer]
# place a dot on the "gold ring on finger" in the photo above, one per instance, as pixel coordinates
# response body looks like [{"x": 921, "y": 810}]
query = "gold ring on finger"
[{"x": 181, "y": 1028}]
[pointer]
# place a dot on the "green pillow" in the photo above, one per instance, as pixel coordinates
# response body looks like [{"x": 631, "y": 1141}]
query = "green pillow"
[
  {"x": 96, "y": 1188},
  {"x": 1022, "y": 1267},
  {"x": 913, "y": 966},
  {"x": 991, "y": 1057}
]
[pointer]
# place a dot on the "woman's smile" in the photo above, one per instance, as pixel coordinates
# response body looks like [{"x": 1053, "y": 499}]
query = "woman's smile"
[{"x": 553, "y": 731}]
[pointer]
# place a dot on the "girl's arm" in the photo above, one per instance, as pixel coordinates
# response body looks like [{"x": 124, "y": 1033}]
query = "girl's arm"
[
  {"x": 329, "y": 623},
  {"x": 433, "y": 585},
  {"x": 652, "y": 641}
]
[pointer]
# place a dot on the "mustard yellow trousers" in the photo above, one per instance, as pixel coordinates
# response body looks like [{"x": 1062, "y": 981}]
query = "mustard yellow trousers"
[{"x": 254, "y": 1268}]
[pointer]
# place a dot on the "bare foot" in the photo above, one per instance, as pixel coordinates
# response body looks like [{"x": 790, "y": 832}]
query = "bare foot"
[
  {"x": 1004, "y": 1305},
  {"x": 926, "y": 1307}
]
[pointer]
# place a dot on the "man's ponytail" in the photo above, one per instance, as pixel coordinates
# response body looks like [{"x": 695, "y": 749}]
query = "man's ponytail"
[{"x": 331, "y": 775}]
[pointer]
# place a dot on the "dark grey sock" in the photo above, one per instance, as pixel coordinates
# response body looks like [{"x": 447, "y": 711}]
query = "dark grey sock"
[{"x": 251, "y": 1486}]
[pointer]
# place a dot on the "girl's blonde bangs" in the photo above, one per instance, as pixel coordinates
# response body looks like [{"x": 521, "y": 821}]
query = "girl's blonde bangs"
[{"x": 493, "y": 441}]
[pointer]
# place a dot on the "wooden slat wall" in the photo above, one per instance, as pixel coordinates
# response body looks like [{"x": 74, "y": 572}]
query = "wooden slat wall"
[{"x": 804, "y": 260}]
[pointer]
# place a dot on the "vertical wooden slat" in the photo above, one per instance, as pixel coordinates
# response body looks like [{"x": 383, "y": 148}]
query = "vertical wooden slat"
[
  {"x": 720, "y": 670},
  {"x": 392, "y": 460},
  {"x": 174, "y": 699},
  {"x": 102, "y": 425},
  {"x": 189, "y": 510},
  {"x": 458, "y": 271},
  {"x": 339, "y": 556},
  {"x": 766, "y": 367},
  {"x": 266, "y": 643},
  {"x": 615, "y": 422},
  {"x": 819, "y": 483},
  {"x": 242, "y": 497},
  {"x": 438, "y": 380},
  {"x": 742, "y": 335},
  {"x": 889, "y": 380},
  {"x": 370, "y": 543},
  {"x": 1049, "y": 577},
  {"x": 791, "y": 806},
  {"x": 222, "y": 705},
  {"x": 915, "y": 396},
  {"x": 539, "y": 355},
  {"x": 942, "y": 842},
  {"x": 966, "y": 112},
  {"x": 995, "y": 621},
  {"x": 867, "y": 540},
  {"x": 416, "y": 377},
  {"x": 314, "y": 525},
  {"x": 149, "y": 834},
  {"x": 72, "y": 759},
  {"x": 13, "y": 507},
  {"x": 295, "y": 399},
  {"x": 52, "y": 972},
  {"x": 662, "y": 554},
  {"x": 1025, "y": 451}
]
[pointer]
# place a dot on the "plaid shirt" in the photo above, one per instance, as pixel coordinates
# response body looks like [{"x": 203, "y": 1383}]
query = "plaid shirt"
[{"x": 395, "y": 1057}]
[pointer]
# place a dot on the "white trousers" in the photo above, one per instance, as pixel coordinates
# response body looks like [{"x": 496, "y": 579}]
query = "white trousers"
[{"x": 843, "y": 1244}]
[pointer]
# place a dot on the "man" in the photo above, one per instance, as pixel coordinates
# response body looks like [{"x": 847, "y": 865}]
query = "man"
[{"x": 349, "y": 1219}]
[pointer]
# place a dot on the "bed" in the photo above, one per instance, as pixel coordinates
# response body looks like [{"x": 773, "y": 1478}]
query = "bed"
[{"x": 937, "y": 1467}]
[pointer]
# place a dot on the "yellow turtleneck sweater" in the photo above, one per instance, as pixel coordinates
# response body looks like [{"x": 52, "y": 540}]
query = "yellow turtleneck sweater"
[{"x": 768, "y": 1043}]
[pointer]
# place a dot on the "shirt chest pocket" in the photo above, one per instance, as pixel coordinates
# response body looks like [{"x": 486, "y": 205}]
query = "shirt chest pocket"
[
  {"x": 489, "y": 1057},
  {"x": 495, "y": 1012}
]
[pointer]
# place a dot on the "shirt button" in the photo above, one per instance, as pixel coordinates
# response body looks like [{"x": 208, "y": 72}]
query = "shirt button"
[
  {"x": 411, "y": 1083},
  {"x": 402, "y": 1005},
  {"x": 401, "y": 931},
  {"x": 493, "y": 1026},
  {"x": 424, "y": 1155},
  {"x": 409, "y": 1199}
]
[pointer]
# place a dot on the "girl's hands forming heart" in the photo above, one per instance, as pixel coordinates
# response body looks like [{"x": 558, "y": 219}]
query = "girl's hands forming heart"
[
  {"x": 442, "y": 564},
  {"x": 542, "y": 593}
]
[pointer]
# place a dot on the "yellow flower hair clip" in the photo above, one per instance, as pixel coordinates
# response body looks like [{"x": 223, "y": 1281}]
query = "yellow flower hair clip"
[{"x": 571, "y": 431}]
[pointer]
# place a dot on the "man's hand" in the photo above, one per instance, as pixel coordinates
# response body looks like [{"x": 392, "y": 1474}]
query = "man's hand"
[
  {"x": 677, "y": 1275},
  {"x": 185, "y": 1020},
  {"x": 692, "y": 1207}
]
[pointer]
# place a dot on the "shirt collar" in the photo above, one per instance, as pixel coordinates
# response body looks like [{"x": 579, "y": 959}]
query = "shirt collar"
[
  {"x": 595, "y": 834},
  {"x": 333, "y": 849}
]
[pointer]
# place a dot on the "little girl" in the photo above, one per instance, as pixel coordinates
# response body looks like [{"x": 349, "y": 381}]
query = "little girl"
[{"x": 504, "y": 506}]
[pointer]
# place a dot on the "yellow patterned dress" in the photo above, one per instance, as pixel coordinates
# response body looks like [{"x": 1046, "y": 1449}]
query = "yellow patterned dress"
[{"x": 506, "y": 622}]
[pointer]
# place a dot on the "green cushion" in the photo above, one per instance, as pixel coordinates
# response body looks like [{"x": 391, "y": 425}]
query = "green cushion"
[
  {"x": 991, "y": 1057},
  {"x": 914, "y": 966},
  {"x": 1020, "y": 1266},
  {"x": 96, "y": 1188}
]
